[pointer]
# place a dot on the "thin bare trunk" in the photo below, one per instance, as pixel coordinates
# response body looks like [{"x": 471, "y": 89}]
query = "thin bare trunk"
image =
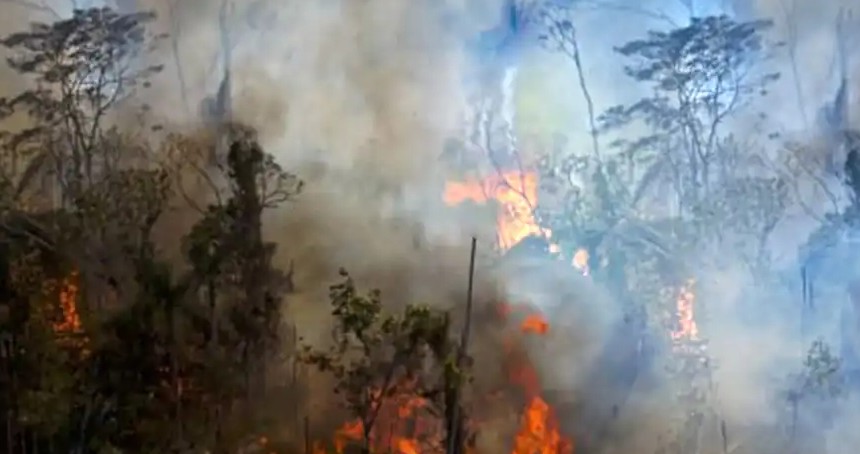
[
  {"x": 455, "y": 426},
  {"x": 790, "y": 14},
  {"x": 589, "y": 102},
  {"x": 295, "y": 374},
  {"x": 177, "y": 60},
  {"x": 223, "y": 101},
  {"x": 225, "y": 91},
  {"x": 10, "y": 438},
  {"x": 176, "y": 378},
  {"x": 307, "y": 432}
]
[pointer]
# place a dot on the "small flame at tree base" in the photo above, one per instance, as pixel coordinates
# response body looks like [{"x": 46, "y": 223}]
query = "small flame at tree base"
[{"x": 536, "y": 436}]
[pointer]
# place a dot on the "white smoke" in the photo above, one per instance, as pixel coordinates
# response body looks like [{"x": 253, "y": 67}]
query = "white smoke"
[{"x": 359, "y": 97}]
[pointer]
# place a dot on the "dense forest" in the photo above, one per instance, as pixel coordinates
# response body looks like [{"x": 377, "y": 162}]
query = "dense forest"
[{"x": 142, "y": 310}]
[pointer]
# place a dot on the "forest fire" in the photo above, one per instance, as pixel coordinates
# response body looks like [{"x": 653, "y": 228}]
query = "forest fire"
[
  {"x": 516, "y": 194},
  {"x": 536, "y": 324},
  {"x": 539, "y": 430},
  {"x": 405, "y": 424}
]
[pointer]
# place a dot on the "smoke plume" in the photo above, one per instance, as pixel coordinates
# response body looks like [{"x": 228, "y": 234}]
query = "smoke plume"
[{"x": 358, "y": 99}]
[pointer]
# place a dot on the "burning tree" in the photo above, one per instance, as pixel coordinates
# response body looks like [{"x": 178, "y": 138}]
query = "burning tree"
[
  {"x": 399, "y": 378},
  {"x": 701, "y": 75},
  {"x": 685, "y": 170},
  {"x": 388, "y": 367},
  {"x": 72, "y": 209},
  {"x": 107, "y": 344}
]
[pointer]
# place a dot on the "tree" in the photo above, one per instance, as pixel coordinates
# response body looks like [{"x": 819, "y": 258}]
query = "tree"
[
  {"x": 811, "y": 397},
  {"x": 68, "y": 157},
  {"x": 612, "y": 201},
  {"x": 151, "y": 348},
  {"x": 238, "y": 291},
  {"x": 35, "y": 355},
  {"x": 83, "y": 67},
  {"x": 726, "y": 203},
  {"x": 377, "y": 359},
  {"x": 161, "y": 352},
  {"x": 700, "y": 74}
]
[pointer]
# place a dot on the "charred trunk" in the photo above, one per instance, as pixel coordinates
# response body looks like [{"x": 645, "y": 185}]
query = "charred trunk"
[{"x": 246, "y": 159}]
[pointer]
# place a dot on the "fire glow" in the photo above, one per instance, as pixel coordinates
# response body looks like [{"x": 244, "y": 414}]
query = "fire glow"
[
  {"x": 515, "y": 193},
  {"x": 68, "y": 297},
  {"x": 405, "y": 424},
  {"x": 686, "y": 328}
]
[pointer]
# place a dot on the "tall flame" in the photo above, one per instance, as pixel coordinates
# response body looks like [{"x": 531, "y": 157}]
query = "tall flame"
[
  {"x": 539, "y": 431},
  {"x": 516, "y": 194},
  {"x": 405, "y": 424}
]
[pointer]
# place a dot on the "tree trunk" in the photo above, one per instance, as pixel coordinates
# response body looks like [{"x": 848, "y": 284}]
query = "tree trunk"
[
  {"x": 246, "y": 162},
  {"x": 850, "y": 348}
]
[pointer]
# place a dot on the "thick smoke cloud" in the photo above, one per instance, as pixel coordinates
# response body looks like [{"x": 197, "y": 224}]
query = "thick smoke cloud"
[
  {"x": 752, "y": 325},
  {"x": 358, "y": 98}
]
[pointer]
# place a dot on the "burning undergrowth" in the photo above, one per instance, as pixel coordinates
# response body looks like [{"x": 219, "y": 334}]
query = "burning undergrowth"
[
  {"x": 505, "y": 403},
  {"x": 538, "y": 326},
  {"x": 550, "y": 350}
]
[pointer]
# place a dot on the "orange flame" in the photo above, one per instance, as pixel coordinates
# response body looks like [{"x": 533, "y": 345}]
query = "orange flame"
[
  {"x": 68, "y": 296},
  {"x": 68, "y": 329},
  {"x": 537, "y": 434},
  {"x": 535, "y": 323},
  {"x": 515, "y": 192},
  {"x": 687, "y": 328},
  {"x": 539, "y": 429},
  {"x": 403, "y": 425},
  {"x": 406, "y": 426},
  {"x": 580, "y": 261}
]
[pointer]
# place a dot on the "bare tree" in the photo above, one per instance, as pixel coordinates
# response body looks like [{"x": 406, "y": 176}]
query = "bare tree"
[{"x": 82, "y": 67}]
